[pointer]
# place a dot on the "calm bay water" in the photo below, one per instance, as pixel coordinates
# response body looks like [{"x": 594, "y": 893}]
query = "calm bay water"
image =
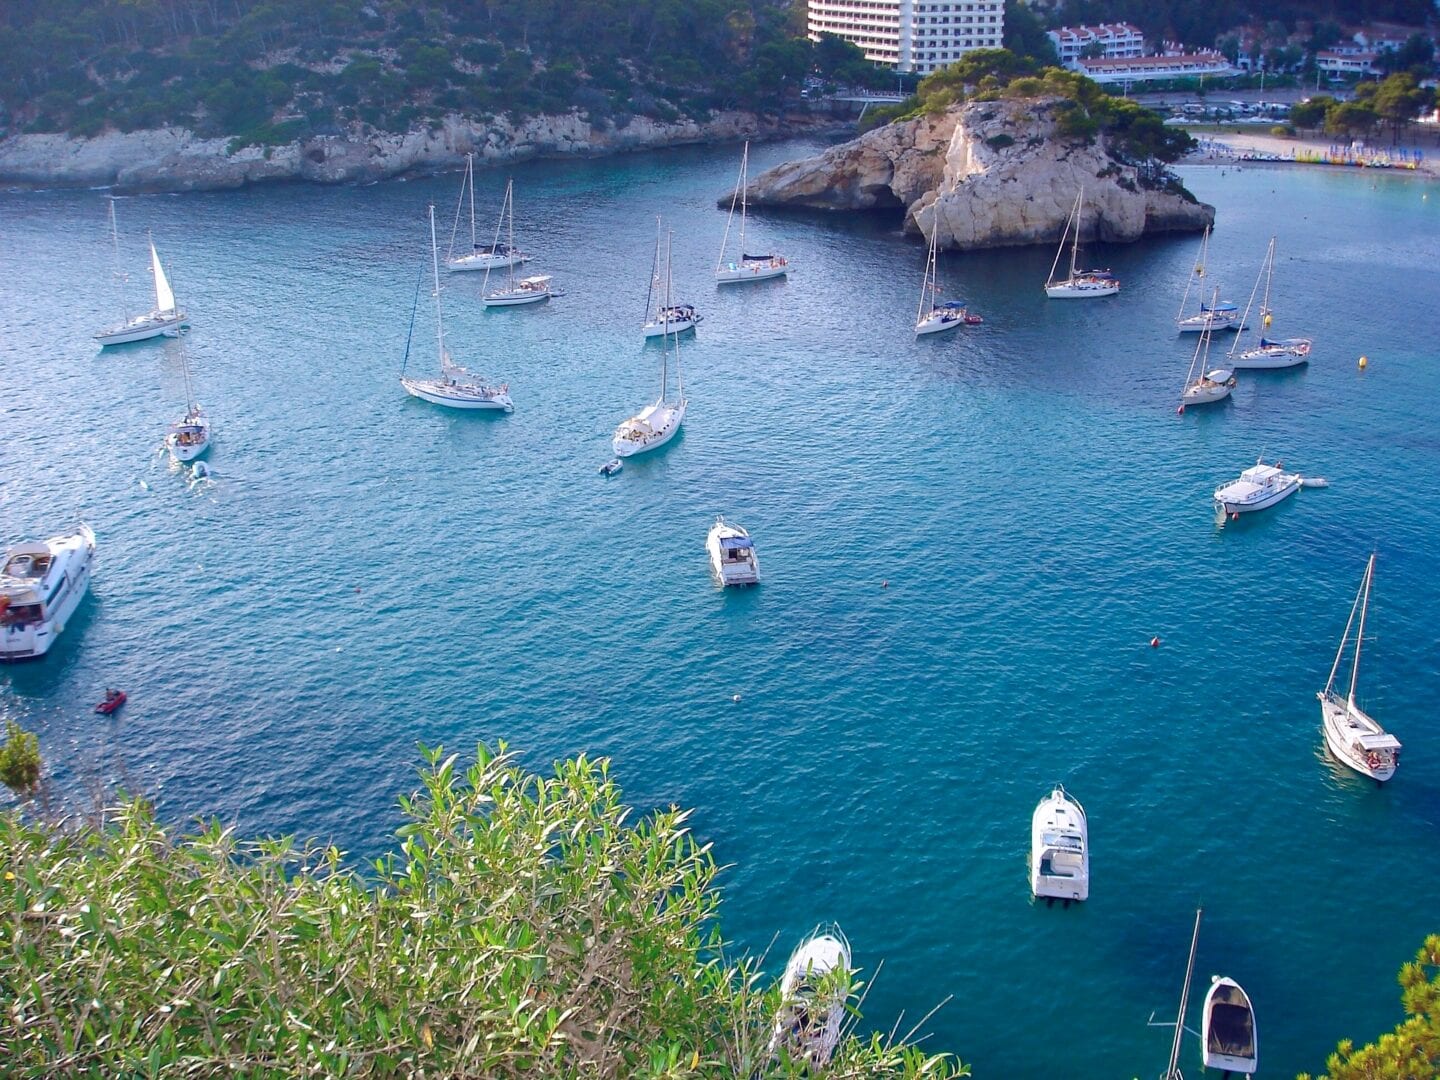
[{"x": 366, "y": 571}]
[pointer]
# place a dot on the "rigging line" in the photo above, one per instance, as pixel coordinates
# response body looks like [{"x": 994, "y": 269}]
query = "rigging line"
[{"x": 420, "y": 277}]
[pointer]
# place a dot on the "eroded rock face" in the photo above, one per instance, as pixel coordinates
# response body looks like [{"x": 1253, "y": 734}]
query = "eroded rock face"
[
  {"x": 175, "y": 159},
  {"x": 986, "y": 174}
]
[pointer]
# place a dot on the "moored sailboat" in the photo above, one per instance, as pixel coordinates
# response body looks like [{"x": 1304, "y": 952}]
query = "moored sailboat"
[
  {"x": 661, "y": 316},
  {"x": 1208, "y": 386},
  {"x": 749, "y": 267},
  {"x": 1351, "y": 733},
  {"x": 933, "y": 316},
  {"x": 527, "y": 290},
  {"x": 659, "y": 422},
  {"x": 165, "y": 318},
  {"x": 1078, "y": 284},
  {"x": 1269, "y": 353},
  {"x": 1212, "y": 316},
  {"x": 480, "y": 256}
]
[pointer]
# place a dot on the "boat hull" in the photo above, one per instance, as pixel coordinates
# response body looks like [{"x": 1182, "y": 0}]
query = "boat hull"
[
  {"x": 934, "y": 324},
  {"x": 731, "y": 572},
  {"x": 485, "y": 262},
  {"x": 626, "y": 447},
  {"x": 1066, "y": 290},
  {"x": 514, "y": 299},
  {"x": 450, "y": 397},
  {"x": 1205, "y": 395},
  {"x": 1261, "y": 502},
  {"x": 807, "y": 1026},
  {"x": 142, "y": 329},
  {"x": 183, "y": 452},
  {"x": 1198, "y": 325},
  {"x": 1342, "y": 727},
  {"x": 734, "y": 273},
  {"x": 657, "y": 329},
  {"x": 1227, "y": 1037},
  {"x": 1256, "y": 360},
  {"x": 30, "y": 641}
]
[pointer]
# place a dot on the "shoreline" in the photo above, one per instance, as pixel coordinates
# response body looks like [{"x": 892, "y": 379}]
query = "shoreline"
[{"x": 1219, "y": 148}]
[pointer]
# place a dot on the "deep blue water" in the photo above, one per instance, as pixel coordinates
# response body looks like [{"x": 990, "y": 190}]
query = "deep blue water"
[{"x": 366, "y": 571}]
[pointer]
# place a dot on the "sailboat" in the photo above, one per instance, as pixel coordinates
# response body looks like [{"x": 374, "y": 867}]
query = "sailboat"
[
  {"x": 932, "y": 316},
  {"x": 456, "y": 388},
  {"x": 1079, "y": 283},
  {"x": 750, "y": 267},
  {"x": 166, "y": 318},
  {"x": 189, "y": 437},
  {"x": 1208, "y": 386},
  {"x": 1212, "y": 316},
  {"x": 661, "y": 316},
  {"x": 480, "y": 256},
  {"x": 526, "y": 290},
  {"x": 1352, "y": 735},
  {"x": 1172, "y": 1071},
  {"x": 1285, "y": 353},
  {"x": 657, "y": 423}
]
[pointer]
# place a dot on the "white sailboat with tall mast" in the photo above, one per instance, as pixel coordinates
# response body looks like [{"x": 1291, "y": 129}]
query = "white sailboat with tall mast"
[
  {"x": 456, "y": 388},
  {"x": 657, "y": 423},
  {"x": 1207, "y": 386},
  {"x": 932, "y": 316},
  {"x": 1268, "y": 354},
  {"x": 1212, "y": 316},
  {"x": 1351, "y": 733},
  {"x": 165, "y": 318},
  {"x": 1079, "y": 284},
  {"x": 480, "y": 256},
  {"x": 189, "y": 437},
  {"x": 749, "y": 267},
  {"x": 661, "y": 316},
  {"x": 527, "y": 290}
]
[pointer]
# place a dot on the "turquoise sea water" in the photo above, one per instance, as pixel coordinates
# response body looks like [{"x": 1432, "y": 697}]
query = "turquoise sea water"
[{"x": 366, "y": 571}]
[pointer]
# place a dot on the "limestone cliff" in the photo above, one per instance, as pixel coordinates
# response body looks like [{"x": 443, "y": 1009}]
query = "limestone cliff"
[{"x": 987, "y": 174}]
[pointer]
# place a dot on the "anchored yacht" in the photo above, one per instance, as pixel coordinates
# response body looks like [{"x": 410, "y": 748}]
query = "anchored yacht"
[
  {"x": 1059, "y": 848},
  {"x": 732, "y": 554},
  {"x": 41, "y": 585},
  {"x": 813, "y": 990}
]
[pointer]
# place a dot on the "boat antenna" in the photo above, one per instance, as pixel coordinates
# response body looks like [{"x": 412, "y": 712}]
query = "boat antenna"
[
  {"x": 1173, "y": 1072},
  {"x": 414, "y": 309}
]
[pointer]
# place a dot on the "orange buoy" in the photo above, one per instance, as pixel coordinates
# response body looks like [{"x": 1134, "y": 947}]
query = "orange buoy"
[{"x": 1155, "y": 642}]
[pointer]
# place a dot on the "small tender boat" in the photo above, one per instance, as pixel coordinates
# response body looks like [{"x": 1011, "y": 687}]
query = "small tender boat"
[
  {"x": 1227, "y": 1029},
  {"x": 750, "y": 267},
  {"x": 41, "y": 585},
  {"x": 113, "y": 700},
  {"x": 1080, "y": 284},
  {"x": 813, "y": 991},
  {"x": 1059, "y": 848},
  {"x": 610, "y": 468},
  {"x": 732, "y": 554},
  {"x": 1259, "y": 487},
  {"x": 1351, "y": 733}
]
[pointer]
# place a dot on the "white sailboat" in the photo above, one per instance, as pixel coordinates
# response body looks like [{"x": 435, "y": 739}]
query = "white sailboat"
[
  {"x": 657, "y": 423},
  {"x": 165, "y": 318},
  {"x": 813, "y": 992},
  {"x": 1208, "y": 386},
  {"x": 189, "y": 437},
  {"x": 661, "y": 316},
  {"x": 1079, "y": 284},
  {"x": 1268, "y": 354},
  {"x": 1212, "y": 316},
  {"x": 41, "y": 585},
  {"x": 750, "y": 267},
  {"x": 1227, "y": 1029},
  {"x": 456, "y": 388},
  {"x": 932, "y": 316},
  {"x": 1059, "y": 848},
  {"x": 480, "y": 256},
  {"x": 527, "y": 290},
  {"x": 1352, "y": 735}
]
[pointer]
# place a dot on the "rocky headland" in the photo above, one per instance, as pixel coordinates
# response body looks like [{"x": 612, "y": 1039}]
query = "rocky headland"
[
  {"x": 988, "y": 174},
  {"x": 176, "y": 159}
]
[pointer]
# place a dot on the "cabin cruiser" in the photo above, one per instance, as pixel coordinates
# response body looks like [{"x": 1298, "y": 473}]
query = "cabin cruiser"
[
  {"x": 1258, "y": 487},
  {"x": 41, "y": 585},
  {"x": 813, "y": 992},
  {"x": 732, "y": 554},
  {"x": 1059, "y": 848}
]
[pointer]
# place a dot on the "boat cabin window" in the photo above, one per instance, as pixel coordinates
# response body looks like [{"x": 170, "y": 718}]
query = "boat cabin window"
[
  {"x": 20, "y": 614},
  {"x": 27, "y": 565}
]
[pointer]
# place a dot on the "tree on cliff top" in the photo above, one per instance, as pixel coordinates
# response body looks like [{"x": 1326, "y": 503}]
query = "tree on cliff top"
[
  {"x": 524, "y": 928},
  {"x": 1412, "y": 1050}
]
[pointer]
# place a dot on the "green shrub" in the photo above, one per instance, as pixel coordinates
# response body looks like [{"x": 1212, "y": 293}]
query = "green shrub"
[{"x": 20, "y": 759}]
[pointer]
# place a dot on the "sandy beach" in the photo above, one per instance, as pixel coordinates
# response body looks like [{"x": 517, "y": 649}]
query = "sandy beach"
[{"x": 1226, "y": 146}]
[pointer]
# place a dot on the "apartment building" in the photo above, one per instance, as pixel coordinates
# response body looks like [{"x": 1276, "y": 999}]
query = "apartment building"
[
  {"x": 1113, "y": 41},
  {"x": 911, "y": 35}
]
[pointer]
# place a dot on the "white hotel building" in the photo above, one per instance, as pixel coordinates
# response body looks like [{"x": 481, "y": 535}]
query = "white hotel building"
[{"x": 911, "y": 35}]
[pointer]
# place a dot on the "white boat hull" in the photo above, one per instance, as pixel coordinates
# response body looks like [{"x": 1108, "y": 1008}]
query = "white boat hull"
[
  {"x": 732, "y": 273},
  {"x": 638, "y": 435},
  {"x": 658, "y": 329},
  {"x": 1205, "y": 395},
  {"x": 73, "y": 556},
  {"x": 1059, "y": 849},
  {"x": 934, "y": 324},
  {"x": 1262, "y": 360},
  {"x": 481, "y": 261},
  {"x": 1198, "y": 324},
  {"x": 454, "y": 396},
  {"x": 515, "y": 299},
  {"x": 183, "y": 452},
  {"x": 741, "y": 571},
  {"x": 807, "y": 1026},
  {"x": 1228, "y": 1039},
  {"x": 143, "y": 328},
  {"x": 1075, "y": 290},
  {"x": 1259, "y": 502},
  {"x": 1342, "y": 727}
]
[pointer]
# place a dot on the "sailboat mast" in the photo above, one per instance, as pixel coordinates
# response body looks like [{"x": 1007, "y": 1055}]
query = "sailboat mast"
[
  {"x": 1061, "y": 249},
  {"x": 435, "y": 272},
  {"x": 485, "y": 284},
  {"x": 119, "y": 275},
  {"x": 1360, "y": 633},
  {"x": 1269, "y": 273},
  {"x": 1173, "y": 1072},
  {"x": 744, "y": 167},
  {"x": 1075, "y": 247},
  {"x": 928, "y": 284},
  {"x": 1245, "y": 319},
  {"x": 510, "y": 233},
  {"x": 1197, "y": 272},
  {"x": 679, "y": 377},
  {"x": 654, "y": 269},
  {"x": 1345, "y": 637},
  {"x": 470, "y": 180}
]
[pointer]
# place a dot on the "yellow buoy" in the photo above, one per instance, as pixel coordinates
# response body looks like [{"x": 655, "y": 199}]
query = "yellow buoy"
[
  {"x": 1363, "y": 362},
  {"x": 1267, "y": 320}
]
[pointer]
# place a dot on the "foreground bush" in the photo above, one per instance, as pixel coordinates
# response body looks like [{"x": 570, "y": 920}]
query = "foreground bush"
[{"x": 524, "y": 929}]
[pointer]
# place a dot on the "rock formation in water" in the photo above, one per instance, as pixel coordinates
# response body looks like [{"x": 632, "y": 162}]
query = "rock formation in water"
[{"x": 987, "y": 174}]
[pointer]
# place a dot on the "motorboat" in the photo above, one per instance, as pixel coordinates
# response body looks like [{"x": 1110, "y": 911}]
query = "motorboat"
[
  {"x": 1269, "y": 353},
  {"x": 1227, "y": 1028},
  {"x": 41, "y": 585},
  {"x": 732, "y": 554},
  {"x": 1078, "y": 284},
  {"x": 659, "y": 422},
  {"x": 496, "y": 255},
  {"x": 672, "y": 320},
  {"x": 527, "y": 290},
  {"x": 610, "y": 468},
  {"x": 1258, "y": 487},
  {"x": 189, "y": 437},
  {"x": 749, "y": 267},
  {"x": 1222, "y": 315},
  {"x": 165, "y": 318},
  {"x": 1059, "y": 848},
  {"x": 113, "y": 700},
  {"x": 455, "y": 387},
  {"x": 1352, "y": 735},
  {"x": 813, "y": 993}
]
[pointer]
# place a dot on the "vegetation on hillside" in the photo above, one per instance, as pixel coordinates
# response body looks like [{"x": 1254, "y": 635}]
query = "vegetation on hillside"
[
  {"x": 1412, "y": 1050},
  {"x": 272, "y": 71},
  {"x": 1394, "y": 103},
  {"x": 525, "y": 927}
]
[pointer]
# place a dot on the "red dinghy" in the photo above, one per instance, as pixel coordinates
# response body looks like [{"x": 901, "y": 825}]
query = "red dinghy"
[{"x": 113, "y": 700}]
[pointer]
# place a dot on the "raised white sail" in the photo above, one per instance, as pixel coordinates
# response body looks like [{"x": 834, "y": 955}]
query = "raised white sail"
[{"x": 164, "y": 295}]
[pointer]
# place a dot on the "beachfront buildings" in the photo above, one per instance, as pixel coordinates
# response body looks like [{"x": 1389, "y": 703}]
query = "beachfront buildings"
[
  {"x": 1138, "y": 69},
  {"x": 1109, "y": 41},
  {"x": 911, "y": 35},
  {"x": 1335, "y": 62}
]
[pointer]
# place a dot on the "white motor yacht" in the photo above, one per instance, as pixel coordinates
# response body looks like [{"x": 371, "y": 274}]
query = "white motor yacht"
[
  {"x": 1227, "y": 1029},
  {"x": 1258, "y": 487},
  {"x": 813, "y": 990},
  {"x": 189, "y": 437},
  {"x": 1059, "y": 848},
  {"x": 732, "y": 554},
  {"x": 1351, "y": 733},
  {"x": 41, "y": 585}
]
